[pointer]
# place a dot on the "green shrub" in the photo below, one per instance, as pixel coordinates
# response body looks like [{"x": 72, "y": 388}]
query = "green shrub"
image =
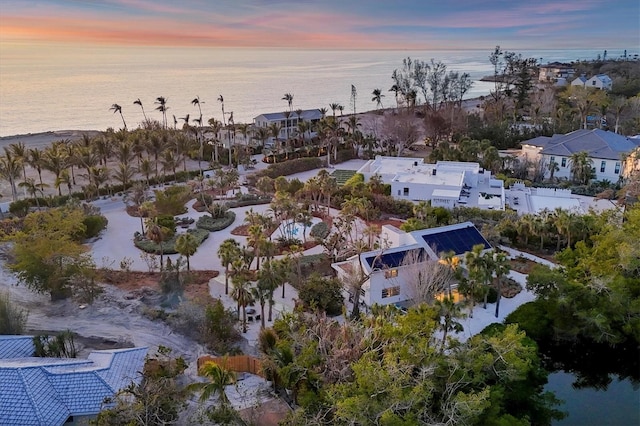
[
  {"x": 167, "y": 221},
  {"x": 218, "y": 211},
  {"x": 94, "y": 224},
  {"x": 321, "y": 293},
  {"x": 20, "y": 208},
  {"x": 210, "y": 224},
  {"x": 319, "y": 231},
  {"x": 249, "y": 200},
  {"x": 172, "y": 200},
  {"x": 292, "y": 166},
  {"x": 169, "y": 246},
  {"x": 533, "y": 318}
]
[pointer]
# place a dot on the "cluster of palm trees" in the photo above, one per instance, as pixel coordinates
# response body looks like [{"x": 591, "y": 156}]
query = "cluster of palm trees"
[
  {"x": 99, "y": 162},
  {"x": 484, "y": 267},
  {"x": 566, "y": 227}
]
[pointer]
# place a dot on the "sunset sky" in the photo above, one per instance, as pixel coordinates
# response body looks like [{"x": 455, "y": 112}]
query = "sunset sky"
[{"x": 359, "y": 24}]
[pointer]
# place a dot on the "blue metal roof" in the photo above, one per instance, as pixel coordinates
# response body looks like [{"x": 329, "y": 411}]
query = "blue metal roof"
[
  {"x": 46, "y": 391},
  {"x": 460, "y": 240},
  {"x": 16, "y": 346}
]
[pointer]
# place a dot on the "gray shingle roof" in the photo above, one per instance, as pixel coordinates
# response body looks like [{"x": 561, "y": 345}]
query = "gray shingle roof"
[
  {"x": 597, "y": 143},
  {"x": 46, "y": 391}
]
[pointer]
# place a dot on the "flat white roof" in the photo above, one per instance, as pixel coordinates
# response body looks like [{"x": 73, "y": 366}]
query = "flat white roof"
[
  {"x": 540, "y": 202},
  {"x": 446, "y": 193},
  {"x": 424, "y": 174}
]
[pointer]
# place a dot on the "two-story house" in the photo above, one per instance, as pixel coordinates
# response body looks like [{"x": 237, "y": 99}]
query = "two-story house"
[
  {"x": 390, "y": 272},
  {"x": 607, "y": 151}
]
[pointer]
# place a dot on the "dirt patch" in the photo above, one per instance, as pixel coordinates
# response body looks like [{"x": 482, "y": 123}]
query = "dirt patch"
[
  {"x": 522, "y": 265},
  {"x": 197, "y": 286}
]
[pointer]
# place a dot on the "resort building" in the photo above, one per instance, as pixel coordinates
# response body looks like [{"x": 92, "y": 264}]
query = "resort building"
[
  {"x": 553, "y": 71},
  {"x": 446, "y": 184},
  {"x": 607, "y": 151},
  {"x": 391, "y": 272},
  {"x": 60, "y": 391},
  {"x": 288, "y": 121}
]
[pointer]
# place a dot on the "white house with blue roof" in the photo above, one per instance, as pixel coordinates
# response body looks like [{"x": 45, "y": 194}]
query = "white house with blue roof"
[
  {"x": 388, "y": 270},
  {"x": 60, "y": 391},
  {"x": 288, "y": 125},
  {"x": 607, "y": 150}
]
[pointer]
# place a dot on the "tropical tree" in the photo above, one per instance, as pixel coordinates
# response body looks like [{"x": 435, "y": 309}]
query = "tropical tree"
[
  {"x": 261, "y": 294},
  {"x": 157, "y": 233},
  {"x": 377, "y": 97},
  {"x": 218, "y": 379},
  {"x": 10, "y": 170},
  {"x": 581, "y": 167},
  {"x": 117, "y": 108},
  {"x": 228, "y": 252},
  {"x": 500, "y": 266},
  {"x": 270, "y": 276},
  {"x": 139, "y": 102},
  {"x": 448, "y": 312},
  {"x": 33, "y": 188},
  {"x": 161, "y": 101},
  {"x": 35, "y": 160},
  {"x": 289, "y": 98},
  {"x": 241, "y": 292},
  {"x": 21, "y": 154},
  {"x": 553, "y": 167},
  {"x": 186, "y": 245}
]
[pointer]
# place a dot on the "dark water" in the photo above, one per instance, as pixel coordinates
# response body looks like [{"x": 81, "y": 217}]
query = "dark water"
[{"x": 617, "y": 405}]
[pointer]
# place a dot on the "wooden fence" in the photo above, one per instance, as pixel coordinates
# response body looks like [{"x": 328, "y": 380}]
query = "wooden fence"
[{"x": 238, "y": 363}]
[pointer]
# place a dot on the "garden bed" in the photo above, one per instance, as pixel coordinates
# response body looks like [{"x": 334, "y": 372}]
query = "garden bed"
[
  {"x": 211, "y": 224},
  {"x": 168, "y": 246}
]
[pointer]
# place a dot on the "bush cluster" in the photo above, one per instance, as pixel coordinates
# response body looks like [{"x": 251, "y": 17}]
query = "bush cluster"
[
  {"x": 319, "y": 231},
  {"x": 210, "y": 224},
  {"x": 168, "y": 246},
  {"x": 249, "y": 200},
  {"x": 94, "y": 224},
  {"x": 292, "y": 166}
]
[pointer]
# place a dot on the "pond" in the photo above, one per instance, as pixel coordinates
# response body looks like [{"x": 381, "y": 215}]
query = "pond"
[{"x": 617, "y": 405}]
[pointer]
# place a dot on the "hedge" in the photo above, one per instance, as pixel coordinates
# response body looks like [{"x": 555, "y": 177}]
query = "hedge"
[
  {"x": 211, "y": 225},
  {"x": 169, "y": 246},
  {"x": 249, "y": 200},
  {"x": 292, "y": 166}
]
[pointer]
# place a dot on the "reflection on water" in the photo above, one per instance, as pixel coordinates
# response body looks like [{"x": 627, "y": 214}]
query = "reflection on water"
[{"x": 618, "y": 405}]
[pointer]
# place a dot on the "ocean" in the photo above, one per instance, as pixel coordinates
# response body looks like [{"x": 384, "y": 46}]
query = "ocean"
[{"x": 72, "y": 87}]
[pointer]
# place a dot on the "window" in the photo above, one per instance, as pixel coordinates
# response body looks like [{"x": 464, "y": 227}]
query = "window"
[
  {"x": 390, "y": 292},
  {"x": 564, "y": 162},
  {"x": 391, "y": 273},
  {"x": 552, "y": 160},
  {"x": 617, "y": 170},
  {"x": 405, "y": 192},
  {"x": 603, "y": 166}
]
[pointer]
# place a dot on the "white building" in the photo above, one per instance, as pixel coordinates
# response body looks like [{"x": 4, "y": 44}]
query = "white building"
[
  {"x": 607, "y": 150},
  {"x": 446, "y": 184},
  {"x": 600, "y": 81},
  {"x": 288, "y": 125},
  {"x": 551, "y": 72},
  {"x": 390, "y": 271}
]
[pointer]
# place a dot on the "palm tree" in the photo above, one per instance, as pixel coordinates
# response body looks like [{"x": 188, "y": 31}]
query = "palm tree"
[
  {"x": 21, "y": 154},
  {"x": 139, "y": 102},
  {"x": 262, "y": 134},
  {"x": 63, "y": 179},
  {"x": 581, "y": 167},
  {"x": 196, "y": 101},
  {"x": 124, "y": 174},
  {"x": 323, "y": 112},
  {"x": 156, "y": 233},
  {"x": 228, "y": 252},
  {"x": 186, "y": 245},
  {"x": 449, "y": 312},
  {"x": 270, "y": 276},
  {"x": 501, "y": 268},
  {"x": 261, "y": 294},
  {"x": 377, "y": 97},
  {"x": 117, "y": 108},
  {"x": 241, "y": 289},
  {"x": 55, "y": 160},
  {"x": 334, "y": 106},
  {"x": 289, "y": 98},
  {"x": 146, "y": 168},
  {"x": 33, "y": 188},
  {"x": 341, "y": 109},
  {"x": 219, "y": 377},
  {"x": 162, "y": 107},
  {"x": 35, "y": 160},
  {"x": 275, "y": 128}
]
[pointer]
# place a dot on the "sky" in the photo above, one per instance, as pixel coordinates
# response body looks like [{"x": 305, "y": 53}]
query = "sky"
[{"x": 327, "y": 24}]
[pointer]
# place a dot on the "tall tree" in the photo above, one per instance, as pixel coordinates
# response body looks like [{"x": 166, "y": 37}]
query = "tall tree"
[
  {"x": 377, "y": 97},
  {"x": 161, "y": 101},
  {"x": 139, "y": 102},
  {"x": 186, "y": 245},
  {"x": 117, "y": 108},
  {"x": 228, "y": 252}
]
